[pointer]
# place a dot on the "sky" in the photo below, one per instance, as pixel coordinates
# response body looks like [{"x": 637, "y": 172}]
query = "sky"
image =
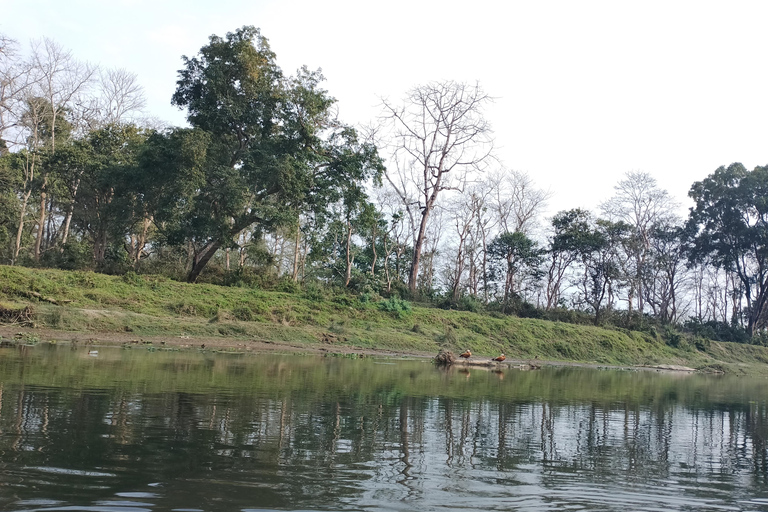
[{"x": 584, "y": 91}]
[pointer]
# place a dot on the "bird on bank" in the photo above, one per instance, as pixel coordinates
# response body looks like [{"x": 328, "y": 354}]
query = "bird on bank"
[
  {"x": 499, "y": 358},
  {"x": 466, "y": 354}
]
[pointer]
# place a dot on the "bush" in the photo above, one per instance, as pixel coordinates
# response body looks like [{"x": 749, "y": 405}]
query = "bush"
[
  {"x": 569, "y": 316},
  {"x": 718, "y": 331},
  {"x": 132, "y": 278},
  {"x": 246, "y": 278},
  {"x": 395, "y": 306},
  {"x": 673, "y": 338},
  {"x": 314, "y": 292},
  {"x": 243, "y": 313},
  {"x": 286, "y": 284},
  {"x": 470, "y": 303},
  {"x": 75, "y": 255}
]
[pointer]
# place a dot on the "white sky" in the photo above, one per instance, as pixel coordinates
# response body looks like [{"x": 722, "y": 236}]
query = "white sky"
[{"x": 585, "y": 90}]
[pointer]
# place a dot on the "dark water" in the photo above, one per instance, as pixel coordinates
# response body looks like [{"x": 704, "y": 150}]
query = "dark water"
[{"x": 133, "y": 430}]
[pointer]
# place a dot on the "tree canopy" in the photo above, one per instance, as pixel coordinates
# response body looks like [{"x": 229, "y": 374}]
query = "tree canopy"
[{"x": 273, "y": 142}]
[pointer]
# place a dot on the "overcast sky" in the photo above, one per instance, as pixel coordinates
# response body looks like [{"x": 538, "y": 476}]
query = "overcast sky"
[{"x": 585, "y": 90}]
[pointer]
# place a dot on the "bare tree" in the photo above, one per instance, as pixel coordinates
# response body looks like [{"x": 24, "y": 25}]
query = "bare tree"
[
  {"x": 61, "y": 79},
  {"x": 15, "y": 80},
  {"x": 640, "y": 203},
  {"x": 518, "y": 201},
  {"x": 439, "y": 135},
  {"x": 121, "y": 96},
  {"x": 463, "y": 219}
]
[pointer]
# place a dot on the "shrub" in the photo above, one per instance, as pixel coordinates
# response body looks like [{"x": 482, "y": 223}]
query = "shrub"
[
  {"x": 718, "y": 331},
  {"x": 243, "y": 313},
  {"x": 132, "y": 278},
  {"x": 396, "y": 306},
  {"x": 244, "y": 278},
  {"x": 288, "y": 285},
  {"x": 314, "y": 292}
]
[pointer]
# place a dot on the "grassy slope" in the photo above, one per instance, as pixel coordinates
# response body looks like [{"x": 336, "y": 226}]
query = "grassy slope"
[{"x": 152, "y": 306}]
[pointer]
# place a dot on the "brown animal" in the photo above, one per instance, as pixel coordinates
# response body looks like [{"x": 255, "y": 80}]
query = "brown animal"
[
  {"x": 500, "y": 358},
  {"x": 466, "y": 354}
]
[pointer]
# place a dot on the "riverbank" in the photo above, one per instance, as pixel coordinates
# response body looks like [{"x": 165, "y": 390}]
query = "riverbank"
[{"x": 138, "y": 311}]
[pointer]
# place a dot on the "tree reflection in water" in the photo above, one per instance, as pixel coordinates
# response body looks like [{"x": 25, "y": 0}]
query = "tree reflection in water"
[{"x": 222, "y": 433}]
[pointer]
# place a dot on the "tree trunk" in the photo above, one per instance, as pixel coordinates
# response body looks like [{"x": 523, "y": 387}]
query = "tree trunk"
[
  {"x": 417, "y": 248},
  {"x": 373, "y": 247},
  {"x": 70, "y": 212},
  {"x": 41, "y": 220},
  {"x": 296, "y": 253},
  {"x": 201, "y": 260},
  {"x": 20, "y": 230},
  {"x": 350, "y": 258},
  {"x": 386, "y": 263}
]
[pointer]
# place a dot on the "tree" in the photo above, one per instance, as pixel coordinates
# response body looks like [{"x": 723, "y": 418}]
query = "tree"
[
  {"x": 597, "y": 244},
  {"x": 517, "y": 200},
  {"x": 463, "y": 218},
  {"x": 15, "y": 80},
  {"x": 519, "y": 258},
  {"x": 104, "y": 208},
  {"x": 730, "y": 219},
  {"x": 121, "y": 96},
  {"x": 641, "y": 204},
  {"x": 61, "y": 79},
  {"x": 664, "y": 274},
  {"x": 273, "y": 143},
  {"x": 571, "y": 237},
  {"x": 439, "y": 135}
]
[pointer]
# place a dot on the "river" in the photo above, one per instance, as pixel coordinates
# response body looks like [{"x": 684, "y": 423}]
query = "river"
[{"x": 149, "y": 430}]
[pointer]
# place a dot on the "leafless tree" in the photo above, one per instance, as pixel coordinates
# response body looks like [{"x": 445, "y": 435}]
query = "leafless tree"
[
  {"x": 463, "y": 219},
  {"x": 518, "y": 201},
  {"x": 121, "y": 96},
  {"x": 432, "y": 243},
  {"x": 438, "y": 136},
  {"x": 639, "y": 202},
  {"x": 15, "y": 80}
]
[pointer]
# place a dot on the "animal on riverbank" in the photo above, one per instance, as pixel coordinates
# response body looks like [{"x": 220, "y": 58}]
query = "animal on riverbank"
[
  {"x": 499, "y": 358},
  {"x": 466, "y": 354}
]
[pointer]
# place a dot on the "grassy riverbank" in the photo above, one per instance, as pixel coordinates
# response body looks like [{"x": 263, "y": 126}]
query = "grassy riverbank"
[{"x": 136, "y": 308}]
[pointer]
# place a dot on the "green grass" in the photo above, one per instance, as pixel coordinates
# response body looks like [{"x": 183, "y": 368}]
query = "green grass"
[{"x": 156, "y": 306}]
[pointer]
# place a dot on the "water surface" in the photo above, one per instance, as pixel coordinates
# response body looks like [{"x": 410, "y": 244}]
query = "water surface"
[{"x": 134, "y": 430}]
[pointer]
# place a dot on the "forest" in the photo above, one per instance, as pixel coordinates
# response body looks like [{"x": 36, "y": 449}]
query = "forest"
[{"x": 266, "y": 187}]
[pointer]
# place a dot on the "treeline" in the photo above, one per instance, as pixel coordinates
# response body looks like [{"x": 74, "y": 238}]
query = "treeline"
[{"x": 267, "y": 187}]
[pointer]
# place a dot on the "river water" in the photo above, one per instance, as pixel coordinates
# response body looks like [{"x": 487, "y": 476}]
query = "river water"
[{"x": 139, "y": 430}]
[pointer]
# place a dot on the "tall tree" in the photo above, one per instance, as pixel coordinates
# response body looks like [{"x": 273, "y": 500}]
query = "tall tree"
[
  {"x": 439, "y": 135},
  {"x": 104, "y": 208},
  {"x": 641, "y": 204},
  {"x": 665, "y": 272},
  {"x": 61, "y": 79},
  {"x": 730, "y": 219},
  {"x": 273, "y": 142},
  {"x": 517, "y": 200}
]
